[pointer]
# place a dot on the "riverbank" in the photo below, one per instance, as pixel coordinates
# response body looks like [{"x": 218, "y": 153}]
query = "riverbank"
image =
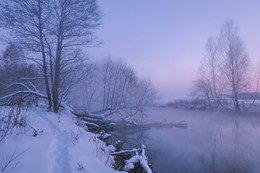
[
  {"x": 130, "y": 159},
  {"x": 45, "y": 142}
]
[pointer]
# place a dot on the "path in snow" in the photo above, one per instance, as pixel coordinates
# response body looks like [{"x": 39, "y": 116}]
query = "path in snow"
[{"x": 58, "y": 149}]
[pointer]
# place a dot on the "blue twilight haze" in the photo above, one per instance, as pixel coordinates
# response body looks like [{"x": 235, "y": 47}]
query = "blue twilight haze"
[{"x": 165, "y": 39}]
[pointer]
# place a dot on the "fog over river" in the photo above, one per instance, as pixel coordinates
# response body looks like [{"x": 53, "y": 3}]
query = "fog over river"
[{"x": 213, "y": 142}]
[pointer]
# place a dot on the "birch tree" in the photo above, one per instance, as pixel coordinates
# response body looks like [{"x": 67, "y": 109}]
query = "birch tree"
[
  {"x": 211, "y": 81},
  {"x": 235, "y": 60},
  {"x": 225, "y": 68}
]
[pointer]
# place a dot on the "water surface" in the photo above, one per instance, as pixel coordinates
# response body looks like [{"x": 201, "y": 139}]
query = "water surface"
[{"x": 213, "y": 142}]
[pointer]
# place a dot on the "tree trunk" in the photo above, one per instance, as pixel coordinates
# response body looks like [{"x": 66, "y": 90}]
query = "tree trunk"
[
  {"x": 56, "y": 84},
  {"x": 44, "y": 67},
  {"x": 57, "y": 79}
]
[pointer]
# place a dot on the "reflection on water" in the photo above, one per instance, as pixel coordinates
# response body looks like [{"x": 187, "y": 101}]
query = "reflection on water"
[{"x": 213, "y": 142}]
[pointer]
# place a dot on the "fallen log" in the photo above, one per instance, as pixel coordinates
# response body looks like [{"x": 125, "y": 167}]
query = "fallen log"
[{"x": 96, "y": 123}]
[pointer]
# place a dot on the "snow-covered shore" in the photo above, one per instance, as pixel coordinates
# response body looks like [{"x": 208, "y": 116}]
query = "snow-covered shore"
[{"x": 59, "y": 147}]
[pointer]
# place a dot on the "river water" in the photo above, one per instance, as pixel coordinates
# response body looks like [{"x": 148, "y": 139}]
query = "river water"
[{"x": 213, "y": 142}]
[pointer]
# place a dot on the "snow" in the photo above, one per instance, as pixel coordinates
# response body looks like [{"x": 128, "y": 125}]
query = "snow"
[
  {"x": 130, "y": 120},
  {"x": 138, "y": 158},
  {"x": 63, "y": 147},
  {"x": 103, "y": 135},
  {"x": 111, "y": 148}
]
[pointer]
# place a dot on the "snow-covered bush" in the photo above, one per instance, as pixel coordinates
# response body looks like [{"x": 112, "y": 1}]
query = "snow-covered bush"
[
  {"x": 5, "y": 126},
  {"x": 15, "y": 122}
]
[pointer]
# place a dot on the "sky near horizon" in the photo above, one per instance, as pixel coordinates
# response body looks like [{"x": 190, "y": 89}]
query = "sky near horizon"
[{"x": 164, "y": 40}]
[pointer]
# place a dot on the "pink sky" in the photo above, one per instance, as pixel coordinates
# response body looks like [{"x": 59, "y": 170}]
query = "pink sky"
[{"x": 164, "y": 40}]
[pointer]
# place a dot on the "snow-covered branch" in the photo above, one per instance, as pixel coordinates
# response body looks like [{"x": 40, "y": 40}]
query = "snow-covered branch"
[
  {"x": 127, "y": 110},
  {"x": 126, "y": 151},
  {"x": 31, "y": 78},
  {"x": 142, "y": 159},
  {"x": 23, "y": 92},
  {"x": 18, "y": 88}
]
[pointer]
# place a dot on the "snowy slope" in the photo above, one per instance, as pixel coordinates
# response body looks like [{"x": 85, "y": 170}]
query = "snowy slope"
[{"x": 63, "y": 147}]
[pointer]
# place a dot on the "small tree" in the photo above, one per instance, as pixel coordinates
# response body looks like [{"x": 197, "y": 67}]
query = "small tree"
[{"x": 202, "y": 90}]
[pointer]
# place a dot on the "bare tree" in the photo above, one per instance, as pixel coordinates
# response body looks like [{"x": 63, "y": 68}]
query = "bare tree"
[
  {"x": 90, "y": 86},
  {"x": 202, "y": 90},
  {"x": 214, "y": 71},
  {"x": 12, "y": 64},
  {"x": 53, "y": 29},
  {"x": 122, "y": 90},
  {"x": 28, "y": 20},
  {"x": 113, "y": 88},
  {"x": 72, "y": 25},
  {"x": 211, "y": 81},
  {"x": 235, "y": 62},
  {"x": 14, "y": 75},
  {"x": 225, "y": 68}
]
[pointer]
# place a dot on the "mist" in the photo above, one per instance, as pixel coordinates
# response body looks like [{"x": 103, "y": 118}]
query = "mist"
[
  {"x": 213, "y": 141},
  {"x": 129, "y": 86}
]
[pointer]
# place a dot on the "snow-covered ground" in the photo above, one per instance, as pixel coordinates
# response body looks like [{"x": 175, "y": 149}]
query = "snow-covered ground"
[{"x": 63, "y": 147}]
